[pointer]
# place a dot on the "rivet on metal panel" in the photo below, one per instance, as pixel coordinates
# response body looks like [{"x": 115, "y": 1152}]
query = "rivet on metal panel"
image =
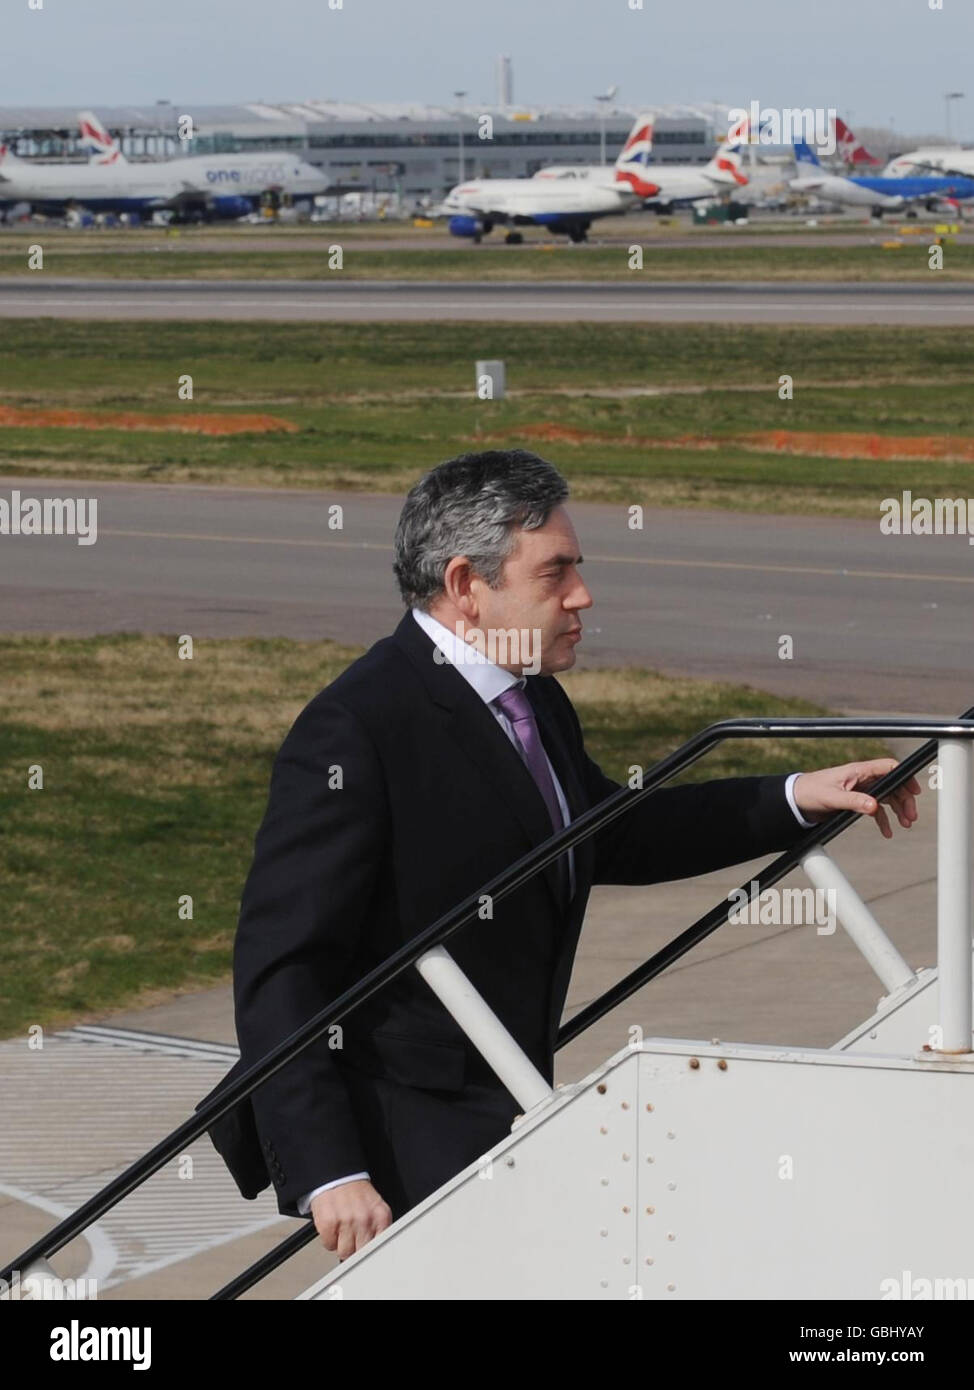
[
  {"x": 722, "y": 1064},
  {"x": 601, "y": 1088},
  {"x": 694, "y": 1063}
]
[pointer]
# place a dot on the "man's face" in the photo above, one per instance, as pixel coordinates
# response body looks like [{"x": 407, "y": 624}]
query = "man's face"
[{"x": 540, "y": 591}]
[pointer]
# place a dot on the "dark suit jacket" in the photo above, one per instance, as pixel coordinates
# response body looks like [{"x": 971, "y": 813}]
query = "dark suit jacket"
[{"x": 433, "y": 801}]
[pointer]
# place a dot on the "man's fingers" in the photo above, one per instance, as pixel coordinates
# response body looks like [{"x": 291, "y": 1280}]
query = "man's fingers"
[
  {"x": 347, "y": 1240},
  {"x": 860, "y": 802},
  {"x": 328, "y": 1231}
]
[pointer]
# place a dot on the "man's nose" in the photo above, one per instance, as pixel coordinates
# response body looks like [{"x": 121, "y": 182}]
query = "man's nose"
[{"x": 579, "y": 597}]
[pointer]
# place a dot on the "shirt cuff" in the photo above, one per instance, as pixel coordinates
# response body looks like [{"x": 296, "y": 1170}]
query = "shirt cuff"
[
  {"x": 304, "y": 1206},
  {"x": 790, "y": 794}
]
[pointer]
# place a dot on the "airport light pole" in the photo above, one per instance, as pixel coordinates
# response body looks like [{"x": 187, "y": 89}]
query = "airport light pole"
[
  {"x": 603, "y": 100},
  {"x": 948, "y": 98},
  {"x": 459, "y": 96}
]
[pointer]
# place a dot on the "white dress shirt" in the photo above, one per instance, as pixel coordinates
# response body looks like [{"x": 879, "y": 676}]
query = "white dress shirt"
[{"x": 490, "y": 680}]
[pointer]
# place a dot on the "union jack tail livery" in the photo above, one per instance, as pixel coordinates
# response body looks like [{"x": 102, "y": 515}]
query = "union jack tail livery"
[
  {"x": 739, "y": 135},
  {"x": 850, "y": 150},
  {"x": 632, "y": 165},
  {"x": 102, "y": 149}
]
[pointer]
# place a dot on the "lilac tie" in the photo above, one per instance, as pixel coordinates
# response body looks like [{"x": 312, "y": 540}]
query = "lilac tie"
[{"x": 517, "y": 707}]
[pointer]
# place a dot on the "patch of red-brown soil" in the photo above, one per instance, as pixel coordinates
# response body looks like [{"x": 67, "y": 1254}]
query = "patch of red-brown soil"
[{"x": 36, "y": 417}]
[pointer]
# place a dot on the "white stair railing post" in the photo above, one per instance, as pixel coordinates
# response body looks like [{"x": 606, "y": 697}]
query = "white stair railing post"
[
  {"x": 858, "y": 921},
  {"x": 955, "y": 820},
  {"x": 483, "y": 1028}
]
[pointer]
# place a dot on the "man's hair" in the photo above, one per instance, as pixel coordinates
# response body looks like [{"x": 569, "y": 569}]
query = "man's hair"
[{"x": 472, "y": 505}]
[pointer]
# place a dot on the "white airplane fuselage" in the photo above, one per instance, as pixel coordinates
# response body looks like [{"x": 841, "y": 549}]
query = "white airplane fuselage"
[
  {"x": 831, "y": 188},
  {"x": 130, "y": 186},
  {"x": 678, "y": 183}
]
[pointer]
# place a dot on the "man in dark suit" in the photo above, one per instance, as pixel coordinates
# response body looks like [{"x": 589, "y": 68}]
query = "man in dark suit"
[{"x": 438, "y": 758}]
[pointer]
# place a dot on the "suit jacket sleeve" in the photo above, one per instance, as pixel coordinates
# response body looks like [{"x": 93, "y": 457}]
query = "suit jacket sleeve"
[
  {"x": 678, "y": 832},
  {"x": 317, "y": 858}
]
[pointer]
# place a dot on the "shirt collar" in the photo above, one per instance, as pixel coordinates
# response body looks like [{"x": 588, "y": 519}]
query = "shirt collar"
[{"x": 487, "y": 678}]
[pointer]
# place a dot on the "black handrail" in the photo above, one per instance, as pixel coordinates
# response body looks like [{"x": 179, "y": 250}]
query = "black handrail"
[{"x": 466, "y": 911}]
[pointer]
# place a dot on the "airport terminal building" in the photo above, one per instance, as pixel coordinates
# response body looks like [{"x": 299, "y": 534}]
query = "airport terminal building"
[{"x": 418, "y": 152}]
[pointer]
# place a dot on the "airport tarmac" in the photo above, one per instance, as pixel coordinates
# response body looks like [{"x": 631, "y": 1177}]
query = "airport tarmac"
[
  {"x": 878, "y": 622},
  {"x": 351, "y": 301}
]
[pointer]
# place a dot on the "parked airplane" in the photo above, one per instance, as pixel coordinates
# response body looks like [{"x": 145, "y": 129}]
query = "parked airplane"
[
  {"x": 197, "y": 187},
  {"x": 677, "y": 184},
  {"x": 564, "y": 206},
  {"x": 947, "y": 159},
  {"x": 880, "y": 193}
]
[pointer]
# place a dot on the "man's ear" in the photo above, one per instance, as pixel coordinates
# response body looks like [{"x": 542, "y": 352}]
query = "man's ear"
[{"x": 459, "y": 583}]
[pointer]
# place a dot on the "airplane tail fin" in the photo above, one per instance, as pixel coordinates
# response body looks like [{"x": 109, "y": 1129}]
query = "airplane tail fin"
[
  {"x": 102, "y": 149},
  {"x": 727, "y": 165},
  {"x": 632, "y": 165},
  {"x": 805, "y": 156},
  {"x": 739, "y": 135},
  {"x": 850, "y": 149}
]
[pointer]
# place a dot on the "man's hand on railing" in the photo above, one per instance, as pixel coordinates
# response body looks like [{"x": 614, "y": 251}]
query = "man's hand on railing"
[
  {"x": 347, "y": 1217},
  {"x": 845, "y": 788}
]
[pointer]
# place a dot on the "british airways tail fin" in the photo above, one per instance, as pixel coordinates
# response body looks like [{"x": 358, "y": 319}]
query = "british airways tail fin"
[
  {"x": 632, "y": 166},
  {"x": 727, "y": 165},
  {"x": 102, "y": 149}
]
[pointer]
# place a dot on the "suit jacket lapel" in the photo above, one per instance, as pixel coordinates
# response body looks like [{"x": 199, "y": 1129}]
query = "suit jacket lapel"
[{"x": 475, "y": 730}]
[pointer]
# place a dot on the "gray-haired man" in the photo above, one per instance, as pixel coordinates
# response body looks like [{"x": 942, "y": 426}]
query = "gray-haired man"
[{"x": 456, "y": 752}]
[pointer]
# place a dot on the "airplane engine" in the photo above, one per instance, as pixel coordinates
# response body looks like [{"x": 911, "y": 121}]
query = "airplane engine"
[
  {"x": 232, "y": 205},
  {"x": 463, "y": 225}
]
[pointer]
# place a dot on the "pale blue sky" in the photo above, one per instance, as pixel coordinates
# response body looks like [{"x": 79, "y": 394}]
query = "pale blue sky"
[{"x": 878, "y": 59}]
